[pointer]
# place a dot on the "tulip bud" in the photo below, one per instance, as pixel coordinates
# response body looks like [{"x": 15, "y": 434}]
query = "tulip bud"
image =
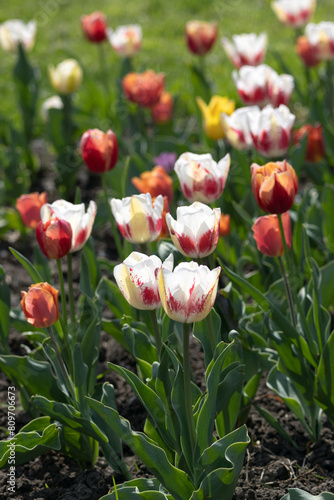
[
  {"x": 200, "y": 36},
  {"x": 40, "y": 305},
  {"x": 212, "y": 112},
  {"x": 54, "y": 238},
  {"x": 315, "y": 149},
  {"x": 29, "y": 207},
  {"x": 99, "y": 150},
  {"x": 94, "y": 27},
  {"x": 274, "y": 186},
  {"x": 162, "y": 111},
  {"x": 66, "y": 77},
  {"x": 145, "y": 88},
  {"x": 155, "y": 182},
  {"x": 268, "y": 236}
]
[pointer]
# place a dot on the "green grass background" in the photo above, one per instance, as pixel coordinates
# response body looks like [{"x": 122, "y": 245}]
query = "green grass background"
[{"x": 59, "y": 36}]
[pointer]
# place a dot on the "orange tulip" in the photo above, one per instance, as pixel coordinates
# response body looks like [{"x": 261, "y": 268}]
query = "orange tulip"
[
  {"x": 162, "y": 111},
  {"x": 267, "y": 234},
  {"x": 200, "y": 36},
  {"x": 155, "y": 182},
  {"x": 224, "y": 226},
  {"x": 315, "y": 149},
  {"x": 274, "y": 186},
  {"x": 40, "y": 305},
  {"x": 29, "y": 207},
  {"x": 145, "y": 88}
]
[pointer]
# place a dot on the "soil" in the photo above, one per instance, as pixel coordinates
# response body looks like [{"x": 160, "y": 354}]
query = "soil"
[{"x": 272, "y": 465}]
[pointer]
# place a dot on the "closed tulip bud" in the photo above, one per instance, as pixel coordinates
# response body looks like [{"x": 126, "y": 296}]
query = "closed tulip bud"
[
  {"x": 315, "y": 148},
  {"x": 224, "y": 225},
  {"x": 40, "y": 305},
  {"x": 137, "y": 279},
  {"x": 14, "y": 32},
  {"x": 162, "y": 111},
  {"x": 54, "y": 238},
  {"x": 137, "y": 219},
  {"x": 201, "y": 178},
  {"x": 195, "y": 233},
  {"x": 126, "y": 40},
  {"x": 294, "y": 13},
  {"x": 268, "y": 236},
  {"x": 29, "y": 207},
  {"x": 237, "y": 129},
  {"x": 307, "y": 52},
  {"x": 246, "y": 49},
  {"x": 80, "y": 221},
  {"x": 212, "y": 112},
  {"x": 145, "y": 88},
  {"x": 274, "y": 186},
  {"x": 66, "y": 77},
  {"x": 94, "y": 27},
  {"x": 155, "y": 182},
  {"x": 200, "y": 36},
  {"x": 188, "y": 292},
  {"x": 99, "y": 150}
]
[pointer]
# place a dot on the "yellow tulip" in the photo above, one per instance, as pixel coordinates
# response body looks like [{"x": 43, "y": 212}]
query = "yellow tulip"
[
  {"x": 211, "y": 114},
  {"x": 66, "y": 77}
]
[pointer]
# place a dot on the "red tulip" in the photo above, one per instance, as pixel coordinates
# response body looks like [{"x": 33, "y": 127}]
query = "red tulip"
[
  {"x": 55, "y": 238},
  {"x": 40, "y": 305},
  {"x": 29, "y": 207},
  {"x": 267, "y": 234},
  {"x": 200, "y": 36},
  {"x": 94, "y": 27},
  {"x": 315, "y": 149},
  {"x": 274, "y": 186},
  {"x": 99, "y": 150}
]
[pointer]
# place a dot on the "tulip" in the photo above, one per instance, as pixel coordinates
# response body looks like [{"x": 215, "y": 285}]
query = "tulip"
[
  {"x": 137, "y": 219},
  {"x": 268, "y": 236},
  {"x": 40, "y": 305},
  {"x": 166, "y": 160},
  {"x": 164, "y": 230},
  {"x": 162, "y": 111},
  {"x": 29, "y": 207},
  {"x": 246, "y": 49},
  {"x": 200, "y": 36},
  {"x": 155, "y": 182},
  {"x": 224, "y": 225},
  {"x": 211, "y": 114},
  {"x": 294, "y": 13},
  {"x": 271, "y": 130},
  {"x": 201, "y": 178},
  {"x": 54, "y": 237},
  {"x": 274, "y": 186},
  {"x": 136, "y": 278},
  {"x": 315, "y": 149},
  {"x": 237, "y": 129},
  {"x": 252, "y": 84},
  {"x": 66, "y": 77},
  {"x": 14, "y": 32},
  {"x": 80, "y": 222},
  {"x": 195, "y": 233},
  {"x": 188, "y": 292},
  {"x": 99, "y": 150},
  {"x": 280, "y": 89},
  {"x": 53, "y": 102},
  {"x": 94, "y": 27},
  {"x": 145, "y": 88},
  {"x": 126, "y": 40},
  {"x": 307, "y": 52},
  {"x": 321, "y": 39}
]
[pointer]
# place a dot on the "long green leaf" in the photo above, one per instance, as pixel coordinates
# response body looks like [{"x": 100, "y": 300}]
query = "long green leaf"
[
  {"x": 28, "y": 266},
  {"x": 297, "y": 494}
]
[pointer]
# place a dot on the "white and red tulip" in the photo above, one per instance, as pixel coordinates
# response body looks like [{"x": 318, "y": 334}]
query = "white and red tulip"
[
  {"x": 294, "y": 13},
  {"x": 246, "y": 49},
  {"x": 125, "y": 40},
  {"x": 236, "y": 127}
]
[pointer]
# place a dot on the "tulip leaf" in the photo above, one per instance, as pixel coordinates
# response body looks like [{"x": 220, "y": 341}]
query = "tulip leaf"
[
  {"x": 140, "y": 344},
  {"x": 297, "y": 494},
  {"x": 28, "y": 266},
  {"x": 276, "y": 425},
  {"x": 4, "y": 312},
  {"x": 212, "y": 323},
  {"x": 327, "y": 203},
  {"x": 32, "y": 440},
  {"x": 126, "y": 492},
  {"x": 51, "y": 356},
  {"x": 222, "y": 463},
  {"x": 174, "y": 480},
  {"x": 325, "y": 379},
  {"x": 115, "y": 300},
  {"x": 114, "y": 328},
  {"x": 228, "y": 400},
  {"x": 327, "y": 279}
]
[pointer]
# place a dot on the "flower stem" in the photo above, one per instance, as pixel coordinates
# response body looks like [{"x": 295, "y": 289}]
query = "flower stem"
[
  {"x": 111, "y": 218},
  {"x": 187, "y": 386},
  {"x": 288, "y": 292},
  {"x": 63, "y": 300},
  {"x": 330, "y": 88},
  {"x": 62, "y": 365},
  {"x": 71, "y": 295},
  {"x": 156, "y": 331}
]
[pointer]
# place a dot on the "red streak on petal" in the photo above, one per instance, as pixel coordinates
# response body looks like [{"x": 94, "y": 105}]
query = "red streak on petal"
[
  {"x": 149, "y": 296},
  {"x": 187, "y": 244},
  {"x": 81, "y": 237},
  {"x": 187, "y": 192},
  {"x": 206, "y": 242}
]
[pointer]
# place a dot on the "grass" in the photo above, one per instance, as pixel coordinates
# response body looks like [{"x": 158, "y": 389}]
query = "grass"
[{"x": 59, "y": 36}]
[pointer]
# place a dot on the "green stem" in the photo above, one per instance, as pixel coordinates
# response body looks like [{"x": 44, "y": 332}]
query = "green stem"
[
  {"x": 111, "y": 218},
  {"x": 62, "y": 366},
  {"x": 286, "y": 281},
  {"x": 63, "y": 300},
  {"x": 156, "y": 331},
  {"x": 288, "y": 292},
  {"x": 68, "y": 128},
  {"x": 71, "y": 296},
  {"x": 330, "y": 83},
  {"x": 187, "y": 386}
]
